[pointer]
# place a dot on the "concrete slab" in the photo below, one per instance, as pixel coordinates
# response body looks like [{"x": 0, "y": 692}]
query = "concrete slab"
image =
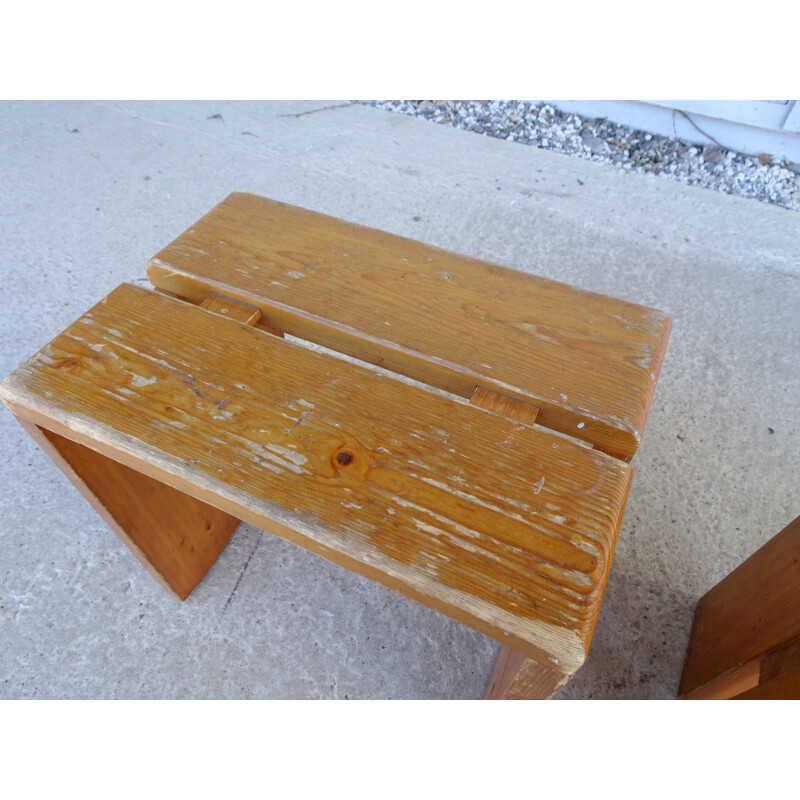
[{"x": 91, "y": 190}]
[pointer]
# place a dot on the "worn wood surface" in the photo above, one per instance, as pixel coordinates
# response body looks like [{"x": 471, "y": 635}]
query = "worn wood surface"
[
  {"x": 503, "y": 526},
  {"x": 515, "y": 677},
  {"x": 175, "y": 537},
  {"x": 589, "y": 363},
  {"x": 752, "y": 611}
]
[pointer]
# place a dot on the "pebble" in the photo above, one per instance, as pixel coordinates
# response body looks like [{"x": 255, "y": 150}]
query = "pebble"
[{"x": 601, "y": 140}]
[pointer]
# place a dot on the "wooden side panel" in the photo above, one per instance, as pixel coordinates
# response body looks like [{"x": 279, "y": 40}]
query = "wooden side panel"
[
  {"x": 516, "y": 677},
  {"x": 589, "y": 363},
  {"x": 503, "y": 526},
  {"x": 754, "y": 610},
  {"x": 175, "y": 537}
]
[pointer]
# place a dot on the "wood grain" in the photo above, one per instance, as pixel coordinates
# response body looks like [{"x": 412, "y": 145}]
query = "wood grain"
[
  {"x": 506, "y": 665},
  {"x": 753, "y": 610},
  {"x": 515, "y": 677},
  {"x": 504, "y": 406},
  {"x": 174, "y": 536},
  {"x": 785, "y": 659},
  {"x": 730, "y": 683},
  {"x": 233, "y": 309},
  {"x": 503, "y": 526},
  {"x": 784, "y": 687},
  {"x": 589, "y": 363},
  {"x": 530, "y": 680}
]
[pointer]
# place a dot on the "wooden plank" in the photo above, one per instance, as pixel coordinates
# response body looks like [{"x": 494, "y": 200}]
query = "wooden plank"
[
  {"x": 503, "y": 526},
  {"x": 753, "y": 610},
  {"x": 588, "y": 362},
  {"x": 175, "y": 537},
  {"x": 515, "y": 677},
  {"x": 784, "y": 687},
  {"x": 531, "y": 681}
]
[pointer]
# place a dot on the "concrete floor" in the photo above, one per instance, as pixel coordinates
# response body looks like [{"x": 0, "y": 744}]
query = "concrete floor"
[{"x": 90, "y": 190}]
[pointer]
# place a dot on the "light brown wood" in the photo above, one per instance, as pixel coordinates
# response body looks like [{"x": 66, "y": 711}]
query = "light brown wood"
[
  {"x": 515, "y": 677},
  {"x": 784, "y": 687},
  {"x": 470, "y": 507},
  {"x": 506, "y": 665},
  {"x": 536, "y": 681},
  {"x": 504, "y": 406},
  {"x": 752, "y": 611},
  {"x": 175, "y": 537},
  {"x": 233, "y": 309},
  {"x": 503, "y": 526},
  {"x": 589, "y": 363}
]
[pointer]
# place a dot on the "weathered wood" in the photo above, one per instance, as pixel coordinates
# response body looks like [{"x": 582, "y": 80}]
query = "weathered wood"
[
  {"x": 515, "y": 677},
  {"x": 149, "y": 401},
  {"x": 589, "y": 363},
  {"x": 175, "y": 537},
  {"x": 752, "y": 611},
  {"x": 503, "y": 526}
]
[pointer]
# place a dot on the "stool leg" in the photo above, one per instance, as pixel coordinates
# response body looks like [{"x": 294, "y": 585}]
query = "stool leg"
[
  {"x": 176, "y": 537},
  {"x": 750, "y": 615},
  {"x": 517, "y": 677}
]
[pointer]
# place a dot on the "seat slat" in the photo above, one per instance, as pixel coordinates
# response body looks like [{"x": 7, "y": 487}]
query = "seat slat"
[
  {"x": 503, "y": 526},
  {"x": 589, "y": 363}
]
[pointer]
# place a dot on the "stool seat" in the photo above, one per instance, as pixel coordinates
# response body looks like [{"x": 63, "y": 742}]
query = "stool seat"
[{"x": 423, "y": 447}]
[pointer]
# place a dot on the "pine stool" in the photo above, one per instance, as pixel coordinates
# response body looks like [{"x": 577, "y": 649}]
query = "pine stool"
[{"x": 181, "y": 411}]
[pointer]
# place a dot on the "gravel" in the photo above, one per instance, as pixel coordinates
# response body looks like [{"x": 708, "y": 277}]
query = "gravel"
[{"x": 545, "y": 126}]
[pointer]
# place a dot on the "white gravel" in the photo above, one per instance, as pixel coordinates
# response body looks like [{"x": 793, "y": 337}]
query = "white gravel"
[{"x": 601, "y": 140}]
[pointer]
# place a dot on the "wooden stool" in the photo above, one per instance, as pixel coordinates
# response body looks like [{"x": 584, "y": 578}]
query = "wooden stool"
[
  {"x": 745, "y": 641},
  {"x": 179, "y": 412}
]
